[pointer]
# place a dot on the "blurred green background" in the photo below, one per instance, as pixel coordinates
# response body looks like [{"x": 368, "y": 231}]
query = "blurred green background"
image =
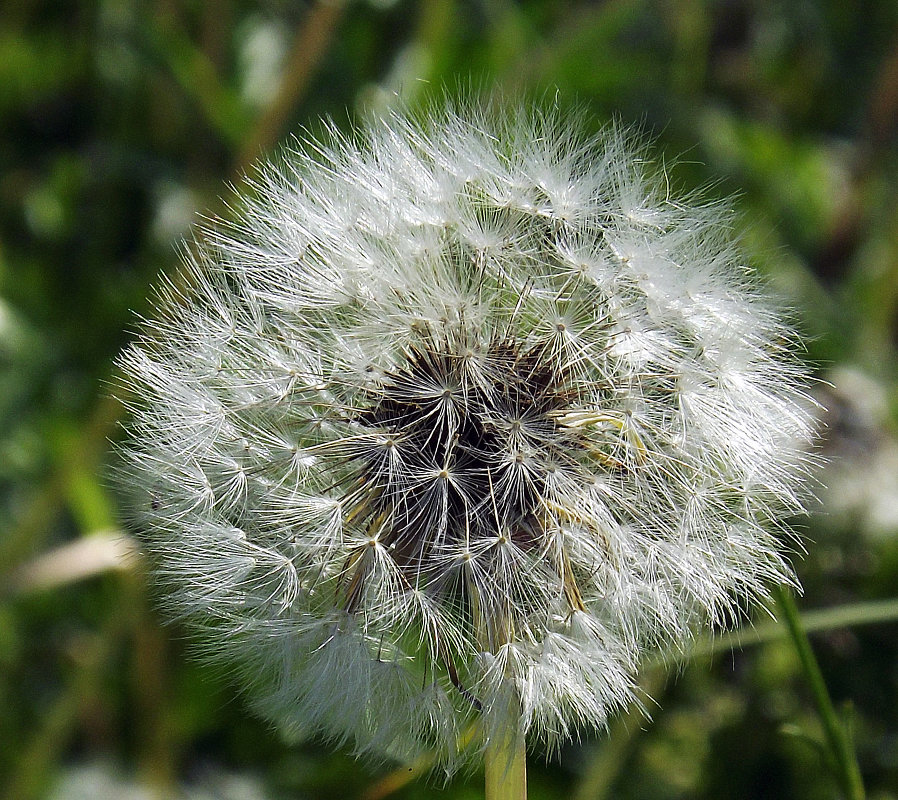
[{"x": 121, "y": 121}]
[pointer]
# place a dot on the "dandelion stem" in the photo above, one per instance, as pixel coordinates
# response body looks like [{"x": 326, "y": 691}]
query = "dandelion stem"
[
  {"x": 837, "y": 738},
  {"x": 505, "y": 762}
]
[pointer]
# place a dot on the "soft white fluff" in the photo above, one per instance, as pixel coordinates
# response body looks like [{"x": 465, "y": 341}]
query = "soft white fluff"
[{"x": 462, "y": 417}]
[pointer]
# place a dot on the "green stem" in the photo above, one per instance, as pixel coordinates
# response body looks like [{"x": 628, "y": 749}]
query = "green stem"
[
  {"x": 837, "y": 739},
  {"x": 505, "y": 763}
]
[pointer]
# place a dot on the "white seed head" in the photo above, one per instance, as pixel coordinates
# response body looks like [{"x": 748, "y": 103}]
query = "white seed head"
[{"x": 462, "y": 418}]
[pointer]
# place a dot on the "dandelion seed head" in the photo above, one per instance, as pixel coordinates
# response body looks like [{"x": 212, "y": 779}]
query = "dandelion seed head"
[{"x": 462, "y": 418}]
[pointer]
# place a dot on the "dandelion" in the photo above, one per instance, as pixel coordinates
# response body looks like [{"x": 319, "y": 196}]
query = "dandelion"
[{"x": 459, "y": 421}]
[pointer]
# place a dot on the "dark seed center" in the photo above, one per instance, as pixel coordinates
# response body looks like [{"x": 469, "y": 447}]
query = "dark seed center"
[{"x": 462, "y": 476}]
